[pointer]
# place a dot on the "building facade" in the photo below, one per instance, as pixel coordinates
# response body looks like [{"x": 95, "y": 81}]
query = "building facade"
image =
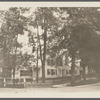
[{"x": 61, "y": 69}]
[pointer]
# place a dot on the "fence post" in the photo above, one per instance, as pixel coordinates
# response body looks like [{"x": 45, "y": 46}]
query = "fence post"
[
  {"x": 4, "y": 82},
  {"x": 53, "y": 81},
  {"x": 24, "y": 81},
  {"x": 19, "y": 80}
]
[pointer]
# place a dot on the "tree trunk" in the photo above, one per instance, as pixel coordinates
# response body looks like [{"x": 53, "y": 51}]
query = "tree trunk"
[
  {"x": 4, "y": 58},
  {"x": 97, "y": 74},
  {"x": 83, "y": 74},
  {"x": 14, "y": 64},
  {"x": 44, "y": 56},
  {"x": 83, "y": 71},
  {"x": 14, "y": 59},
  {"x": 41, "y": 57},
  {"x": 73, "y": 69},
  {"x": 37, "y": 64},
  {"x": 4, "y": 62}
]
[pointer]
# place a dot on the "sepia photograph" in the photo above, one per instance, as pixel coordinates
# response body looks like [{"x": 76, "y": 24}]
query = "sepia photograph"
[{"x": 50, "y": 49}]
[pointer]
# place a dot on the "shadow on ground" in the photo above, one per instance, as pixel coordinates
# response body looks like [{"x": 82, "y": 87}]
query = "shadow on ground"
[{"x": 86, "y": 82}]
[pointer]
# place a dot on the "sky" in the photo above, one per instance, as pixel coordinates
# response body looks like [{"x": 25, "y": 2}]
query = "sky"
[{"x": 23, "y": 39}]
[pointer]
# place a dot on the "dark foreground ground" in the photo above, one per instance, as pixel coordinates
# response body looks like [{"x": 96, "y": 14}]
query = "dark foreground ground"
[{"x": 90, "y": 90}]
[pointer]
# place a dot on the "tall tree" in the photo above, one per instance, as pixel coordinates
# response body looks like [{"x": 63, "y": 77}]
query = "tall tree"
[
  {"x": 14, "y": 23},
  {"x": 79, "y": 34},
  {"x": 45, "y": 19}
]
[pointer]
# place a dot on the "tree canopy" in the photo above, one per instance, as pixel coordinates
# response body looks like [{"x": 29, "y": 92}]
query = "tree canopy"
[{"x": 70, "y": 31}]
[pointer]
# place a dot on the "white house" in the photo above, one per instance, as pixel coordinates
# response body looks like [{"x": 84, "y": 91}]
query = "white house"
[{"x": 51, "y": 70}]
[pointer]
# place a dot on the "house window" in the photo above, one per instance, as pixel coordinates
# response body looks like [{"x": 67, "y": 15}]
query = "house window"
[
  {"x": 48, "y": 71},
  {"x": 67, "y": 72},
  {"x": 56, "y": 72},
  {"x": 51, "y": 72},
  {"x": 26, "y": 73}
]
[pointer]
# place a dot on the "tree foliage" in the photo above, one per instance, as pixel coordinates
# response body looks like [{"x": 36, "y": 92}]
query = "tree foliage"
[{"x": 14, "y": 23}]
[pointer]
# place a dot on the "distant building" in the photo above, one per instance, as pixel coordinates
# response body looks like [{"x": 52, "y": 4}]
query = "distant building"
[{"x": 52, "y": 70}]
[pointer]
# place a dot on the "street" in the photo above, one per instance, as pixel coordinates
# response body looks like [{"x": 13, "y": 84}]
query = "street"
[{"x": 62, "y": 91}]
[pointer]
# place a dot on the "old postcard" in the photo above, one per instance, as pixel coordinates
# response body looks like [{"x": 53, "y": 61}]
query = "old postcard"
[{"x": 49, "y": 49}]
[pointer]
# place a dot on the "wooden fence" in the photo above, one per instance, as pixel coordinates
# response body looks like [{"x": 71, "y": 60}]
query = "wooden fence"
[{"x": 25, "y": 82}]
